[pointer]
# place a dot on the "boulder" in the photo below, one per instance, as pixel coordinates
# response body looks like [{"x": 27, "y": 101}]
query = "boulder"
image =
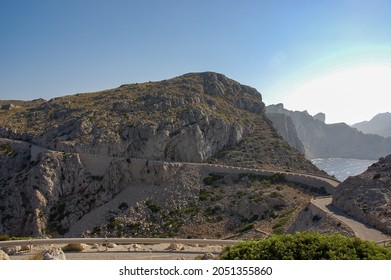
[
  {"x": 175, "y": 247},
  {"x": 3, "y": 255},
  {"x": 53, "y": 253},
  {"x": 11, "y": 250}
]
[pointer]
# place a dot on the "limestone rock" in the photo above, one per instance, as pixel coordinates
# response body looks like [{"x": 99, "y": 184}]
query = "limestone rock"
[
  {"x": 62, "y": 159},
  {"x": 209, "y": 256},
  {"x": 111, "y": 245},
  {"x": 9, "y": 106},
  {"x": 320, "y": 117},
  {"x": 11, "y": 250},
  {"x": 3, "y": 255},
  {"x": 175, "y": 247},
  {"x": 53, "y": 253},
  {"x": 367, "y": 197}
]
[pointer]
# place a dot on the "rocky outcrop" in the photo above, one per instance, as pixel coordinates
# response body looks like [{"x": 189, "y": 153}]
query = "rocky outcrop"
[
  {"x": 314, "y": 219},
  {"x": 46, "y": 194},
  {"x": 284, "y": 124},
  {"x": 367, "y": 197},
  {"x": 188, "y": 118},
  {"x": 379, "y": 124},
  {"x": 52, "y": 253},
  {"x": 9, "y": 106},
  {"x": 320, "y": 117},
  {"x": 3, "y": 256},
  {"x": 62, "y": 159},
  {"x": 322, "y": 140}
]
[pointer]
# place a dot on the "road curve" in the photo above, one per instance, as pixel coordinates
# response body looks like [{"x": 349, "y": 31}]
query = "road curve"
[
  {"x": 361, "y": 230},
  {"x": 327, "y": 180}
]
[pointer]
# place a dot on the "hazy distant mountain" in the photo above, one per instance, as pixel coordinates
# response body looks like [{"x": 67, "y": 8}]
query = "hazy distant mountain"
[
  {"x": 322, "y": 140},
  {"x": 379, "y": 124}
]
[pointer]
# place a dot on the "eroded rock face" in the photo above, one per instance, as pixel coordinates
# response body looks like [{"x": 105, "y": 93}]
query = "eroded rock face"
[
  {"x": 62, "y": 159},
  {"x": 367, "y": 197},
  {"x": 188, "y": 118},
  {"x": 46, "y": 193}
]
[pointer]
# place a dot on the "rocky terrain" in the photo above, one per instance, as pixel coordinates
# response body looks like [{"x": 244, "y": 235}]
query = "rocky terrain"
[
  {"x": 367, "y": 197},
  {"x": 320, "y": 140},
  {"x": 379, "y": 124},
  {"x": 117, "y": 163}
]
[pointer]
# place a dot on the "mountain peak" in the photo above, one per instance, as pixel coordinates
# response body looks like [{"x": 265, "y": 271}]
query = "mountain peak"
[{"x": 379, "y": 124}]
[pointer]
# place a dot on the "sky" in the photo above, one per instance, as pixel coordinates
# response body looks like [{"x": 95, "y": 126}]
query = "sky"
[{"x": 331, "y": 56}]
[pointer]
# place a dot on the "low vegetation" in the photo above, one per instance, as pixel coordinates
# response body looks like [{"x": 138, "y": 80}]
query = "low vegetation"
[{"x": 307, "y": 246}]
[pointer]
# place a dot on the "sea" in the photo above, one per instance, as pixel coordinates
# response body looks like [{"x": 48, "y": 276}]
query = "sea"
[{"x": 342, "y": 168}]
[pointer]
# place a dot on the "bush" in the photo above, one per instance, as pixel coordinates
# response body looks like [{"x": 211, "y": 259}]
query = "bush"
[
  {"x": 307, "y": 246},
  {"x": 247, "y": 227},
  {"x": 212, "y": 178},
  {"x": 4, "y": 237},
  {"x": 155, "y": 208}
]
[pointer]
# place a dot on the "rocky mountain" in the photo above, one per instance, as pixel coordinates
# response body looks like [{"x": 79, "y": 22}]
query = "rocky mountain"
[
  {"x": 367, "y": 197},
  {"x": 140, "y": 160},
  {"x": 321, "y": 140},
  {"x": 379, "y": 124}
]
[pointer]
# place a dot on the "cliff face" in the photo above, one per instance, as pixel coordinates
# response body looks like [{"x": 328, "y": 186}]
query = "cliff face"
[
  {"x": 285, "y": 126},
  {"x": 367, "y": 197},
  {"x": 187, "y": 118},
  {"x": 45, "y": 191},
  {"x": 65, "y": 158},
  {"x": 322, "y": 140}
]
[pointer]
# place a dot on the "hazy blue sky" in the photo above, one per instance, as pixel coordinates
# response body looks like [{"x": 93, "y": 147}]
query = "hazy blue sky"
[{"x": 303, "y": 53}]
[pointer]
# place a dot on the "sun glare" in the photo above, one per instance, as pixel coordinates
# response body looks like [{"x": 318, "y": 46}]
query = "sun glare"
[{"x": 346, "y": 95}]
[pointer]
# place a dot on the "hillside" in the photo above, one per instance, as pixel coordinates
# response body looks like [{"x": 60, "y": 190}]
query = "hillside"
[
  {"x": 321, "y": 140},
  {"x": 379, "y": 124},
  {"x": 126, "y": 161},
  {"x": 367, "y": 197}
]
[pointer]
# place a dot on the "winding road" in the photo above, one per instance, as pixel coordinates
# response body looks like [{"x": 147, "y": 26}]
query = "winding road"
[{"x": 361, "y": 230}]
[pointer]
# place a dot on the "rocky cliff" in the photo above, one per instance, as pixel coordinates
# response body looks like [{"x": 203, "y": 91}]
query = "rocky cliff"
[
  {"x": 322, "y": 140},
  {"x": 64, "y": 159},
  {"x": 367, "y": 197}
]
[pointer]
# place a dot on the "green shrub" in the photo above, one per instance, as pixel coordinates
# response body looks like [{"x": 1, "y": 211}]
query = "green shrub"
[
  {"x": 6, "y": 148},
  {"x": 247, "y": 227},
  {"x": 204, "y": 194},
  {"x": 4, "y": 237},
  {"x": 211, "y": 179},
  {"x": 307, "y": 246},
  {"x": 155, "y": 208}
]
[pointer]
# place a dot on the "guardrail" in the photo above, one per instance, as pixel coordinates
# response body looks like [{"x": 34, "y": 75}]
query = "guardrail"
[{"x": 51, "y": 241}]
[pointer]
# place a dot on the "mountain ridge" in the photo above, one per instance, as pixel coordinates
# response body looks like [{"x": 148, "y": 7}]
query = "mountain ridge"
[
  {"x": 322, "y": 140},
  {"x": 379, "y": 124},
  {"x": 203, "y": 117}
]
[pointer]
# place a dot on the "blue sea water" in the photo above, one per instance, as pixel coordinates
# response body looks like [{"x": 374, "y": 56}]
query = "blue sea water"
[{"x": 342, "y": 168}]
